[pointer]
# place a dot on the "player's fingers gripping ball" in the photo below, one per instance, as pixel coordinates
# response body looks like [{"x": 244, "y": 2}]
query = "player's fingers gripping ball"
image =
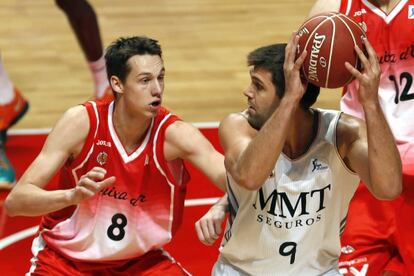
[{"x": 329, "y": 39}]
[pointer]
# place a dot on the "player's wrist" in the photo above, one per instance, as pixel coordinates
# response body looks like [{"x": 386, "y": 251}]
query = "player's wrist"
[
  {"x": 370, "y": 106},
  {"x": 220, "y": 206},
  {"x": 290, "y": 100},
  {"x": 69, "y": 197}
]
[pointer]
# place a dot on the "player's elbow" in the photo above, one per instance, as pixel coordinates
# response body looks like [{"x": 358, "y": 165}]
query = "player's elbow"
[
  {"x": 244, "y": 176},
  {"x": 248, "y": 182},
  {"x": 10, "y": 205},
  {"x": 250, "y": 185},
  {"x": 392, "y": 190},
  {"x": 395, "y": 189}
]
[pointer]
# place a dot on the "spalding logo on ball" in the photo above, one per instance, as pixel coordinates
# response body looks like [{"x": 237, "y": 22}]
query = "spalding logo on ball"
[{"x": 329, "y": 39}]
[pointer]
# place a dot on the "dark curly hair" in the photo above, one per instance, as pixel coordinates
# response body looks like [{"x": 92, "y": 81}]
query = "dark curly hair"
[{"x": 271, "y": 58}]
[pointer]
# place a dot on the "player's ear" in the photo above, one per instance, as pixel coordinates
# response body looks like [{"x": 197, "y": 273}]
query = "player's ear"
[{"x": 116, "y": 84}]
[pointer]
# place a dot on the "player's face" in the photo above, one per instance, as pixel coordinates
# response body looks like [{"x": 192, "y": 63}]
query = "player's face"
[
  {"x": 144, "y": 85},
  {"x": 261, "y": 97}
]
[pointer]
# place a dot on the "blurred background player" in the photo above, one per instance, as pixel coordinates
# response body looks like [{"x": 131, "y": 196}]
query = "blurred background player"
[
  {"x": 84, "y": 23},
  {"x": 13, "y": 106},
  {"x": 378, "y": 237}
]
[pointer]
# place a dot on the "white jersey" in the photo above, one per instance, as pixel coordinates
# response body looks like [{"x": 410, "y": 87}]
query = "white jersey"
[{"x": 292, "y": 224}]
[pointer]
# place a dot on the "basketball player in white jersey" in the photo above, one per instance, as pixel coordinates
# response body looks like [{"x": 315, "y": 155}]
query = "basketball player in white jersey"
[
  {"x": 292, "y": 170},
  {"x": 379, "y": 234},
  {"x": 122, "y": 183}
]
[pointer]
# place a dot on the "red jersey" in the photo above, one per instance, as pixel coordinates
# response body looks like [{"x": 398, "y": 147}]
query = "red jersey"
[
  {"x": 139, "y": 213},
  {"x": 392, "y": 36},
  {"x": 378, "y": 234}
]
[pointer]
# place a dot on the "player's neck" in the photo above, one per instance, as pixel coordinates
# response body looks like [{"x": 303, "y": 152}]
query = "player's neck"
[
  {"x": 130, "y": 130},
  {"x": 386, "y": 5},
  {"x": 302, "y": 133}
]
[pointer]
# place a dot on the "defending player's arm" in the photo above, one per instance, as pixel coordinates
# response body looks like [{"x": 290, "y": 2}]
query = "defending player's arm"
[
  {"x": 374, "y": 144},
  {"x": 29, "y": 198},
  {"x": 321, "y": 6},
  {"x": 250, "y": 156},
  {"x": 208, "y": 228},
  {"x": 183, "y": 140}
]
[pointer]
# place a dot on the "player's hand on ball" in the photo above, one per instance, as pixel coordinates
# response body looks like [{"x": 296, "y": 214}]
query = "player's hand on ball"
[
  {"x": 90, "y": 184},
  {"x": 208, "y": 228},
  {"x": 295, "y": 86},
  {"x": 369, "y": 77}
]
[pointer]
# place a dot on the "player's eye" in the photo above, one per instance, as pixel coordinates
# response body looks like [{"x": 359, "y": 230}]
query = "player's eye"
[{"x": 258, "y": 86}]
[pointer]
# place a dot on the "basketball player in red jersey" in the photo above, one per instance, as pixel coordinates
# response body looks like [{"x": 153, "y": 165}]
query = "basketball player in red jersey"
[
  {"x": 13, "y": 106},
  {"x": 379, "y": 235},
  {"x": 123, "y": 182}
]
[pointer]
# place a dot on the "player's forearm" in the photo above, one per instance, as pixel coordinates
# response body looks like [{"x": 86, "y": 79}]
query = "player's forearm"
[
  {"x": 30, "y": 200},
  {"x": 220, "y": 181},
  {"x": 384, "y": 159},
  {"x": 258, "y": 160},
  {"x": 216, "y": 171}
]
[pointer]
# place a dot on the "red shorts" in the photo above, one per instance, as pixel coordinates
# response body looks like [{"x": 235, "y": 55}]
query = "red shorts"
[
  {"x": 379, "y": 234},
  {"x": 158, "y": 262}
]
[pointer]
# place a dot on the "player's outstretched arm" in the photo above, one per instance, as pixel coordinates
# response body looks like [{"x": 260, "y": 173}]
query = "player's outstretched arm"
[
  {"x": 185, "y": 141},
  {"x": 208, "y": 228},
  {"x": 373, "y": 144},
  {"x": 29, "y": 198}
]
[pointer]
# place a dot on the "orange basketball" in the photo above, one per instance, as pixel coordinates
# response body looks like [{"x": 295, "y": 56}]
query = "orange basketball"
[{"x": 329, "y": 39}]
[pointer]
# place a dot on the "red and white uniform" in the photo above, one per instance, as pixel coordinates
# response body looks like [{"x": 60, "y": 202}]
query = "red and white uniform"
[
  {"x": 378, "y": 233},
  {"x": 136, "y": 215}
]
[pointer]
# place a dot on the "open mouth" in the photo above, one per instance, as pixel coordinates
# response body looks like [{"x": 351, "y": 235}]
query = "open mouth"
[{"x": 156, "y": 103}]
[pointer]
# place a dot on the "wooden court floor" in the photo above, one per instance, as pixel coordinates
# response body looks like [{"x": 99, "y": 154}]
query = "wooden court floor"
[{"x": 205, "y": 43}]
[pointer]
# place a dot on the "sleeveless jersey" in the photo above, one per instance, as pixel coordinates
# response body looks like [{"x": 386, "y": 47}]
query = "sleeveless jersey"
[
  {"x": 139, "y": 213},
  {"x": 292, "y": 224},
  {"x": 392, "y": 37}
]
